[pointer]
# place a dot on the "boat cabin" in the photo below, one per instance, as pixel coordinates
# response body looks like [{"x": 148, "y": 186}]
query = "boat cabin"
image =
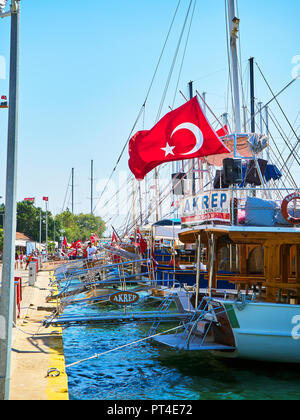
[{"x": 261, "y": 261}]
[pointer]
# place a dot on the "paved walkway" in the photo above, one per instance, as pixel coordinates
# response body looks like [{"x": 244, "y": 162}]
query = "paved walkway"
[{"x": 35, "y": 349}]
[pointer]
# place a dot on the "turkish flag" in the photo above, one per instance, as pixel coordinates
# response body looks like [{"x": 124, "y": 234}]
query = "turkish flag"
[
  {"x": 184, "y": 133},
  {"x": 141, "y": 242},
  {"x": 223, "y": 131},
  {"x": 45, "y": 199}
]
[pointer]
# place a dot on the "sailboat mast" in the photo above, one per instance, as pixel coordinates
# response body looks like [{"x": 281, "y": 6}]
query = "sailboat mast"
[
  {"x": 92, "y": 187},
  {"x": 234, "y": 28}
]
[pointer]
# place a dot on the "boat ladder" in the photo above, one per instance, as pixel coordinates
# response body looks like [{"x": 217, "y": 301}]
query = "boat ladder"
[
  {"x": 205, "y": 313},
  {"x": 163, "y": 308}
]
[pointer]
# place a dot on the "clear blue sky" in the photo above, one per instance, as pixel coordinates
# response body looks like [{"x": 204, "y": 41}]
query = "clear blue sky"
[{"x": 86, "y": 66}]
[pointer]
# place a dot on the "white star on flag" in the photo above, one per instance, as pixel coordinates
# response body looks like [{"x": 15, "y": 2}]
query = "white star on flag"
[{"x": 168, "y": 149}]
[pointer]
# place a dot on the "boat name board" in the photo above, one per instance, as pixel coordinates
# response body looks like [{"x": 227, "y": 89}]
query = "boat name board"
[
  {"x": 124, "y": 298},
  {"x": 204, "y": 207}
]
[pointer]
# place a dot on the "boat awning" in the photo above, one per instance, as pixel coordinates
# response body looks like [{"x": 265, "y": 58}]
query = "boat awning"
[{"x": 240, "y": 233}]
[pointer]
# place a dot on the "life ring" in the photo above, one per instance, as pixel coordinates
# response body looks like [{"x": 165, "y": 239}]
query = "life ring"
[{"x": 284, "y": 208}]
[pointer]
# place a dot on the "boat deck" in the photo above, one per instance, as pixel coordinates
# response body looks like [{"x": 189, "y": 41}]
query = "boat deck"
[{"x": 118, "y": 317}]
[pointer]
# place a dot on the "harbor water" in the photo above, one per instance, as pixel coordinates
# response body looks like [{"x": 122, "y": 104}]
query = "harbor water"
[{"x": 148, "y": 371}]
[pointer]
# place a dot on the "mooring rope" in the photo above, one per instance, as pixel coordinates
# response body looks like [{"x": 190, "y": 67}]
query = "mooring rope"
[{"x": 96, "y": 356}]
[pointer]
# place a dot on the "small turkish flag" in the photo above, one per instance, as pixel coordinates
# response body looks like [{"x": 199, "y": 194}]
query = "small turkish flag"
[
  {"x": 223, "y": 131},
  {"x": 45, "y": 198},
  {"x": 184, "y": 133}
]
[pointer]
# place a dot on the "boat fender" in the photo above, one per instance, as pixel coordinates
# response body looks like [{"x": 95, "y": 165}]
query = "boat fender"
[{"x": 284, "y": 208}]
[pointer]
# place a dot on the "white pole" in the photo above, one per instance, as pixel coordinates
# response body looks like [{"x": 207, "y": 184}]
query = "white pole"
[
  {"x": 234, "y": 28},
  {"x": 7, "y": 286}
]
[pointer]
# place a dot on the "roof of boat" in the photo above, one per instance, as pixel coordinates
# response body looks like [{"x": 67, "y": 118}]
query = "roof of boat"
[{"x": 186, "y": 235}]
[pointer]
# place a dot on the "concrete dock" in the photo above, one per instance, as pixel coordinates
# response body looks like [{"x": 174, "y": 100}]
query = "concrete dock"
[{"x": 36, "y": 350}]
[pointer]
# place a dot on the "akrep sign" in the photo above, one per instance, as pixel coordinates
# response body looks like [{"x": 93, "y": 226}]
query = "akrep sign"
[
  {"x": 124, "y": 298},
  {"x": 212, "y": 206}
]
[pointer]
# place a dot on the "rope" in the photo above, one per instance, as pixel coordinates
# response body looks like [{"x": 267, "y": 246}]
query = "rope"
[
  {"x": 142, "y": 110},
  {"x": 96, "y": 356}
]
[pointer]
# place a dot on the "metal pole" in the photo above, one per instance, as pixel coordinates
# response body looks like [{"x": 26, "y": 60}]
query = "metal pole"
[
  {"x": 252, "y": 94},
  {"x": 267, "y": 129},
  {"x": 234, "y": 28},
  {"x": 198, "y": 271},
  {"x": 47, "y": 230},
  {"x": 7, "y": 287},
  {"x": 40, "y": 229},
  {"x": 192, "y": 186},
  {"x": 73, "y": 190},
  {"x": 92, "y": 187}
]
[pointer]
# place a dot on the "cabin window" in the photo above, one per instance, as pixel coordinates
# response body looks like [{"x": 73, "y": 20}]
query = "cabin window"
[
  {"x": 256, "y": 261},
  {"x": 228, "y": 258}
]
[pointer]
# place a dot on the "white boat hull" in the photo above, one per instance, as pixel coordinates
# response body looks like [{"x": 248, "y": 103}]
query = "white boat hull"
[{"x": 265, "y": 331}]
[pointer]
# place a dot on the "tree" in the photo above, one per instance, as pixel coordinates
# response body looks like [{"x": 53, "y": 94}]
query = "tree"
[{"x": 75, "y": 227}]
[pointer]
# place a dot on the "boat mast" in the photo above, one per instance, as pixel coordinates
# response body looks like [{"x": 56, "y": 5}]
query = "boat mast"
[
  {"x": 252, "y": 95},
  {"x": 234, "y": 28}
]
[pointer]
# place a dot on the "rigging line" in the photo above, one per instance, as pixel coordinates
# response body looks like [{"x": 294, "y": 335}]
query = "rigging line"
[
  {"x": 291, "y": 151},
  {"x": 283, "y": 135},
  {"x": 184, "y": 53},
  {"x": 275, "y": 98},
  {"x": 63, "y": 207},
  {"x": 279, "y": 154},
  {"x": 120, "y": 157},
  {"x": 275, "y": 143},
  {"x": 217, "y": 119},
  {"x": 173, "y": 63},
  {"x": 144, "y": 104}
]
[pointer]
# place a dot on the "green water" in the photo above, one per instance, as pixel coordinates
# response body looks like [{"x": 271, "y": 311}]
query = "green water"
[{"x": 148, "y": 371}]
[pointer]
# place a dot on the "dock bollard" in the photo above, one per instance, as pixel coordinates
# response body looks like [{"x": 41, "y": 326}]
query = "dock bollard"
[{"x": 32, "y": 273}]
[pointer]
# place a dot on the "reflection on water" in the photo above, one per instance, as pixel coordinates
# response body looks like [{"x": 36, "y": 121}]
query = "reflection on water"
[{"x": 148, "y": 371}]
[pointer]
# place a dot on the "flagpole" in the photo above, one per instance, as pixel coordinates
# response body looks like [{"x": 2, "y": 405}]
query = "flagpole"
[
  {"x": 46, "y": 230},
  {"x": 7, "y": 286}
]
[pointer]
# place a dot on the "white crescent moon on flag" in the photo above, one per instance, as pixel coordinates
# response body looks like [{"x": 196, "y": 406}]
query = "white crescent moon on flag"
[{"x": 197, "y": 133}]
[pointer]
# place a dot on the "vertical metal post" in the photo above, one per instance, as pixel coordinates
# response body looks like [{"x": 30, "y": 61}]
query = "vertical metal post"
[
  {"x": 211, "y": 263},
  {"x": 73, "y": 190},
  {"x": 234, "y": 28},
  {"x": 252, "y": 94},
  {"x": 46, "y": 230},
  {"x": 245, "y": 118},
  {"x": 40, "y": 238},
  {"x": 260, "y": 104},
  {"x": 92, "y": 187},
  {"x": 7, "y": 287},
  {"x": 198, "y": 270},
  {"x": 192, "y": 186},
  {"x": 267, "y": 129}
]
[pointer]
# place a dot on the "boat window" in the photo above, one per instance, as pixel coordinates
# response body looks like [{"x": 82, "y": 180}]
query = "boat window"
[
  {"x": 256, "y": 261},
  {"x": 228, "y": 259}
]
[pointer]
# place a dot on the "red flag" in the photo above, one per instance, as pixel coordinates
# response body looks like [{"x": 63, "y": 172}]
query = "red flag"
[
  {"x": 114, "y": 239},
  {"x": 45, "y": 198},
  {"x": 32, "y": 200},
  {"x": 4, "y": 98},
  {"x": 141, "y": 242},
  {"x": 76, "y": 245},
  {"x": 184, "y": 133},
  {"x": 94, "y": 238},
  {"x": 223, "y": 131}
]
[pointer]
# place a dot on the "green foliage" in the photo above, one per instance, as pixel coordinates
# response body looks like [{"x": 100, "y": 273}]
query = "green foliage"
[
  {"x": 80, "y": 226},
  {"x": 1, "y": 239},
  {"x": 73, "y": 227}
]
